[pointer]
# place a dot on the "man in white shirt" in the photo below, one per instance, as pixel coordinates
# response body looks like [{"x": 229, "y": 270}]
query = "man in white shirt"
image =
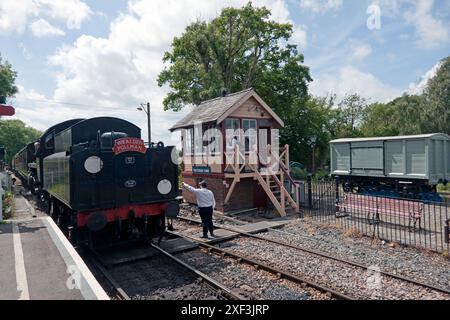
[{"x": 206, "y": 204}]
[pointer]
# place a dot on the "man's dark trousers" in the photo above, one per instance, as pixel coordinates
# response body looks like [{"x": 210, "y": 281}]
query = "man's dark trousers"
[{"x": 206, "y": 214}]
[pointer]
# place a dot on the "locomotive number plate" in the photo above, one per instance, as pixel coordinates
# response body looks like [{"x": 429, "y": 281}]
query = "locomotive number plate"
[
  {"x": 129, "y": 160},
  {"x": 130, "y": 184}
]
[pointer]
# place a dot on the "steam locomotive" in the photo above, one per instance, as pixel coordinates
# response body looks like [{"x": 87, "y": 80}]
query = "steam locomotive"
[{"x": 96, "y": 176}]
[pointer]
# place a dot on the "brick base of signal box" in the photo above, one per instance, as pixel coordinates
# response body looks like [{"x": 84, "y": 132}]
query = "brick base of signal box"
[{"x": 247, "y": 194}]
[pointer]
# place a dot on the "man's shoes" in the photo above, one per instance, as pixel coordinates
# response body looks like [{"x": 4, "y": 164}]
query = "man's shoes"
[
  {"x": 204, "y": 237},
  {"x": 213, "y": 235}
]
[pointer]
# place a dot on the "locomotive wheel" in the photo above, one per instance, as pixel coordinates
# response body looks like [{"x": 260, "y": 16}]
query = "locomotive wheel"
[
  {"x": 161, "y": 228},
  {"x": 54, "y": 210}
]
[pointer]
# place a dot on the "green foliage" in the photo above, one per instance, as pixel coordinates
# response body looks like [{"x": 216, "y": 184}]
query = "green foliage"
[
  {"x": 436, "y": 109},
  {"x": 7, "y": 205},
  {"x": 239, "y": 49},
  {"x": 322, "y": 175},
  {"x": 442, "y": 188},
  {"x": 413, "y": 114},
  {"x": 377, "y": 120},
  {"x": 299, "y": 174},
  {"x": 308, "y": 119},
  {"x": 14, "y": 135},
  {"x": 7, "y": 79},
  {"x": 405, "y": 115},
  {"x": 346, "y": 120}
]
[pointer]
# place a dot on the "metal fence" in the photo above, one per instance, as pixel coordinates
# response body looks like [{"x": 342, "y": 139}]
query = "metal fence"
[{"x": 404, "y": 221}]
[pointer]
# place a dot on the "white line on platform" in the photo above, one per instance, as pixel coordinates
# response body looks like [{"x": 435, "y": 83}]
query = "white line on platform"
[
  {"x": 21, "y": 274},
  {"x": 90, "y": 288}
]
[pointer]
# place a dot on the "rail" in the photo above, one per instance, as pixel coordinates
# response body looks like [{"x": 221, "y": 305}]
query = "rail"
[
  {"x": 317, "y": 253},
  {"x": 279, "y": 273}
]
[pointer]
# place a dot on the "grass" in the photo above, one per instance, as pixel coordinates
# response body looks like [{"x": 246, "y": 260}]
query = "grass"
[
  {"x": 8, "y": 205},
  {"x": 442, "y": 188}
]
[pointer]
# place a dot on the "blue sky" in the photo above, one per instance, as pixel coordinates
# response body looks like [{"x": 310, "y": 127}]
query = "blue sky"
[{"x": 90, "y": 58}]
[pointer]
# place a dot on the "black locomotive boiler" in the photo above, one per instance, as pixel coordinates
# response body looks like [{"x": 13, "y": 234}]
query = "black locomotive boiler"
[{"x": 97, "y": 176}]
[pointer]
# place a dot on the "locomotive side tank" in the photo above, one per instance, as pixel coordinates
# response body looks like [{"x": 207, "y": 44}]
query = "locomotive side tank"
[
  {"x": 45, "y": 146},
  {"x": 402, "y": 166}
]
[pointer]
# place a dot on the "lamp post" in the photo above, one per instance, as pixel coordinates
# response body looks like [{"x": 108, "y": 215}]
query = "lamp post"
[
  {"x": 146, "y": 109},
  {"x": 312, "y": 142}
]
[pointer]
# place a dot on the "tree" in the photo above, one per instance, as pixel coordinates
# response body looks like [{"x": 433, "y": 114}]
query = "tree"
[
  {"x": 408, "y": 114},
  {"x": 378, "y": 120},
  {"x": 239, "y": 49},
  {"x": 7, "y": 79},
  {"x": 309, "y": 119},
  {"x": 436, "y": 109},
  {"x": 14, "y": 135},
  {"x": 346, "y": 120}
]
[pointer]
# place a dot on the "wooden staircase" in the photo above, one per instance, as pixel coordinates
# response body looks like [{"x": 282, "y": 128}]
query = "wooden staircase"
[{"x": 270, "y": 180}]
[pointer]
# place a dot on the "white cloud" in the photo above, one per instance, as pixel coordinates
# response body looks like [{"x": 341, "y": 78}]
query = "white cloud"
[
  {"x": 360, "y": 51},
  {"x": 320, "y": 6},
  {"x": 72, "y": 12},
  {"x": 26, "y": 53},
  {"x": 42, "y": 28},
  {"x": 430, "y": 32},
  {"x": 390, "y": 8},
  {"x": 15, "y": 15},
  {"x": 115, "y": 74},
  {"x": 349, "y": 80},
  {"x": 418, "y": 88},
  {"x": 300, "y": 37}
]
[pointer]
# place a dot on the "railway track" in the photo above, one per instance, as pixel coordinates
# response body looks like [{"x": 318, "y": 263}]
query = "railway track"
[
  {"x": 259, "y": 265},
  {"x": 221, "y": 289},
  {"x": 324, "y": 255},
  {"x": 199, "y": 279},
  {"x": 113, "y": 286}
]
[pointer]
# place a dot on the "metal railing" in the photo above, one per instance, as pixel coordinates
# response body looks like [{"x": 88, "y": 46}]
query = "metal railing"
[{"x": 410, "y": 222}]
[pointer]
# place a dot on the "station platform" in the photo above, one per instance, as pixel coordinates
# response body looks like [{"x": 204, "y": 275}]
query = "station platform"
[{"x": 37, "y": 262}]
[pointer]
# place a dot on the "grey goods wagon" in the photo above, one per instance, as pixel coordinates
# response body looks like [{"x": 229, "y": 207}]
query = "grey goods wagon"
[{"x": 409, "y": 166}]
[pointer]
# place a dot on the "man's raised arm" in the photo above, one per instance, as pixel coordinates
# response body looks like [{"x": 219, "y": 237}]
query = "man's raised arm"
[{"x": 192, "y": 189}]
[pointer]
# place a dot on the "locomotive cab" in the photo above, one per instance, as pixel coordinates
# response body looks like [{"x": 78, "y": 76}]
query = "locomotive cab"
[{"x": 107, "y": 139}]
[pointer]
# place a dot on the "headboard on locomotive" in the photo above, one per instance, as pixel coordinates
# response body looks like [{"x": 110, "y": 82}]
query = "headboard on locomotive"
[{"x": 88, "y": 171}]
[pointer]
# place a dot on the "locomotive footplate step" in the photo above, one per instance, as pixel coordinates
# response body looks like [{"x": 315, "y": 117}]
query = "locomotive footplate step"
[
  {"x": 261, "y": 226},
  {"x": 140, "y": 251},
  {"x": 219, "y": 236},
  {"x": 177, "y": 245},
  {"x": 37, "y": 262}
]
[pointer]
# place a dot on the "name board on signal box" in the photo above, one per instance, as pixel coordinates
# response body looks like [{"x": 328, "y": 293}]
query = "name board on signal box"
[{"x": 129, "y": 145}]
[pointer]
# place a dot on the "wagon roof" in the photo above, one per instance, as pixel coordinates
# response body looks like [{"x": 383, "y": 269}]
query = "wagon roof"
[
  {"x": 418, "y": 136},
  {"x": 217, "y": 109}
]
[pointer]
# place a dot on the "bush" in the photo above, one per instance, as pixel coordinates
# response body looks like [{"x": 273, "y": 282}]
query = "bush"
[
  {"x": 322, "y": 175},
  {"x": 442, "y": 188},
  {"x": 298, "y": 173},
  {"x": 7, "y": 205}
]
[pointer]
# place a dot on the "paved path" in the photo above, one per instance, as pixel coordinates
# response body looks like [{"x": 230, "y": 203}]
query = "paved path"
[{"x": 38, "y": 263}]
